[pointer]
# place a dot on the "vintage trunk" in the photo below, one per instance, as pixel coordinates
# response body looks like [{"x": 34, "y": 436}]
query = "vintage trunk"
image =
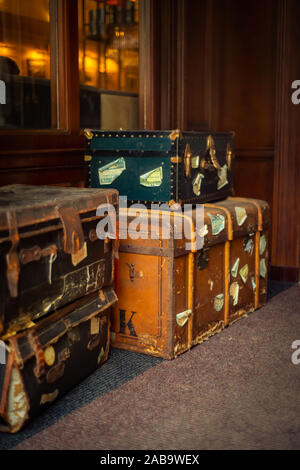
[
  {"x": 49, "y": 359},
  {"x": 161, "y": 166},
  {"x": 172, "y": 297},
  {"x": 49, "y": 250}
]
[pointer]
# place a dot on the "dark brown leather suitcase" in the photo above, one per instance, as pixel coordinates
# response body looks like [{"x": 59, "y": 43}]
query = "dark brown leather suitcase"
[
  {"x": 49, "y": 251},
  {"x": 172, "y": 297},
  {"x": 50, "y": 358}
]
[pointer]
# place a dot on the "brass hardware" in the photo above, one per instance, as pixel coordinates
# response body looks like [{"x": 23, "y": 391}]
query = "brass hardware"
[
  {"x": 175, "y": 134},
  {"x": 176, "y": 159},
  {"x": 210, "y": 147},
  {"x": 87, "y": 158},
  {"x": 88, "y": 134},
  {"x": 36, "y": 253},
  {"x": 229, "y": 156},
  {"x": 187, "y": 161},
  {"x": 12, "y": 259},
  {"x": 131, "y": 271},
  {"x": 210, "y": 161},
  {"x": 39, "y": 370}
]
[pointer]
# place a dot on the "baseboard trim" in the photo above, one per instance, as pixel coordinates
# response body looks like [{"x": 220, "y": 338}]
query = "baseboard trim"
[{"x": 284, "y": 274}]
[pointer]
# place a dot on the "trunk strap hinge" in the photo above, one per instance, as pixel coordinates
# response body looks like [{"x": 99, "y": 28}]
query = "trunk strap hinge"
[{"x": 73, "y": 232}]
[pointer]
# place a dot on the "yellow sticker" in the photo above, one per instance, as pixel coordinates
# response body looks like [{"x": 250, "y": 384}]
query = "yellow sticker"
[
  {"x": 153, "y": 178},
  {"x": 241, "y": 215},
  {"x": 222, "y": 174},
  {"x": 235, "y": 268},
  {"x": 219, "y": 302},
  {"x": 263, "y": 268},
  {"x": 234, "y": 292},
  {"x": 197, "y": 184},
  {"x": 244, "y": 273},
  {"x": 110, "y": 172},
  {"x": 262, "y": 244},
  {"x": 182, "y": 318},
  {"x": 195, "y": 161},
  {"x": 49, "y": 355}
]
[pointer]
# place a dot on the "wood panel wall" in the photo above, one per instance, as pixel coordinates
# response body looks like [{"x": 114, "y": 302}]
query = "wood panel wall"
[{"x": 240, "y": 61}]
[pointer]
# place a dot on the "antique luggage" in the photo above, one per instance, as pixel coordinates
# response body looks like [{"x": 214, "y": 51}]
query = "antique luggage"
[
  {"x": 161, "y": 166},
  {"x": 172, "y": 296},
  {"x": 49, "y": 251},
  {"x": 48, "y": 359}
]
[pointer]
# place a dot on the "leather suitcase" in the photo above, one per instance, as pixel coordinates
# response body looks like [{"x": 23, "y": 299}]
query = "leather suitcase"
[
  {"x": 49, "y": 251},
  {"x": 50, "y": 358},
  {"x": 161, "y": 166},
  {"x": 171, "y": 297}
]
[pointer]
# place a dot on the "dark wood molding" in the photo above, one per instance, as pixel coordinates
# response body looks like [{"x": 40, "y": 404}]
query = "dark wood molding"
[
  {"x": 257, "y": 153},
  {"x": 173, "y": 60},
  {"x": 67, "y": 66}
]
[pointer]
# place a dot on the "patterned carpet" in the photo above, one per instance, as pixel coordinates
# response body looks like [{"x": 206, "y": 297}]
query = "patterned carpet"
[{"x": 238, "y": 390}]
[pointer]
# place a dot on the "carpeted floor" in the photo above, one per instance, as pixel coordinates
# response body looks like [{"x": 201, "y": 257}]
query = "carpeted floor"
[{"x": 239, "y": 390}]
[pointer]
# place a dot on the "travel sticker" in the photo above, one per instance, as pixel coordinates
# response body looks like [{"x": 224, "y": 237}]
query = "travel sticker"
[
  {"x": 244, "y": 273},
  {"x": 217, "y": 223},
  {"x": 234, "y": 292},
  {"x": 241, "y": 215},
  {"x": 222, "y": 174},
  {"x": 153, "y": 178},
  {"x": 197, "y": 184},
  {"x": 262, "y": 244},
  {"x": 263, "y": 268},
  {"x": 219, "y": 302},
  {"x": 235, "y": 268},
  {"x": 110, "y": 172}
]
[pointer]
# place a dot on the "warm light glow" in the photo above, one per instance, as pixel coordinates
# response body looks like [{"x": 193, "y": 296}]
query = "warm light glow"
[
  {"x": 6, "y": 50},
  {"x": 36, "y": 55},
  {"x": 111, "y": 66}
]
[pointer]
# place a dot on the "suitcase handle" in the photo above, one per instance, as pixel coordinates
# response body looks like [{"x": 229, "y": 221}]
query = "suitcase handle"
[{"x": 211, "y": 151}]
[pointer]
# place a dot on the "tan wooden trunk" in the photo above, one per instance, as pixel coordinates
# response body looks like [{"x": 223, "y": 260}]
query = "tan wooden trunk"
[{"x": 171, "y": 299}]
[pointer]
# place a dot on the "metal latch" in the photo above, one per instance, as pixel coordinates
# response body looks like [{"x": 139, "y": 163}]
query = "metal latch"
[{"x": 36, "y": 253}]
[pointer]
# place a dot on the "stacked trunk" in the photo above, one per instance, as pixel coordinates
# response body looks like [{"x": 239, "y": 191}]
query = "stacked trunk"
[{"x": 56, "y": 295}]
